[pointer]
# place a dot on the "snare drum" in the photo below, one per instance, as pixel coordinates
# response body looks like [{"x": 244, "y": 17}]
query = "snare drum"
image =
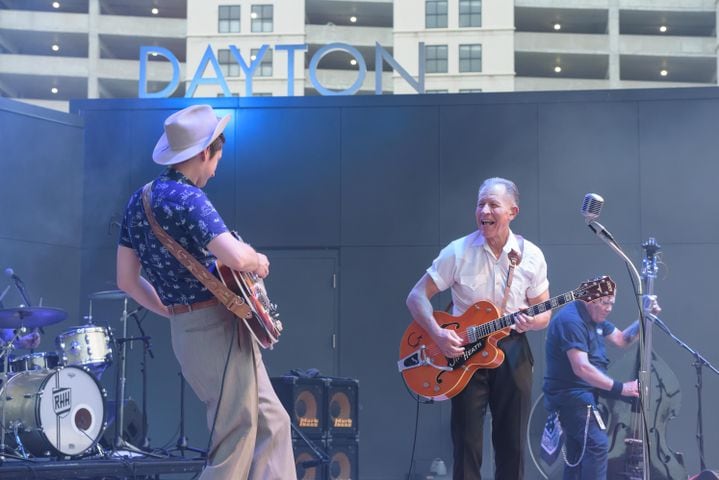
[
  {"x": 87, "y": 346},
  {"x": 54, "y": 412},
  {"x": 35, "y": 361}
]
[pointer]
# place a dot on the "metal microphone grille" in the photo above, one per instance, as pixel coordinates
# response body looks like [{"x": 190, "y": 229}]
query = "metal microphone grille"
[{"x": 591, "y": 206}]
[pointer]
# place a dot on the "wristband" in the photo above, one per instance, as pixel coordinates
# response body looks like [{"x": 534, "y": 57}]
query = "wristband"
[{"x": 616, "y": 390}]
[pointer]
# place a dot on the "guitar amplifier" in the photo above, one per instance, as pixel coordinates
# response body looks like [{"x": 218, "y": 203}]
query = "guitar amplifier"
[
  {"x": 342, "y": 407},
  {"x": 344, "y": 458},
  {"x": 307, "y": 465},
  {"x": 305, "y": 401}
]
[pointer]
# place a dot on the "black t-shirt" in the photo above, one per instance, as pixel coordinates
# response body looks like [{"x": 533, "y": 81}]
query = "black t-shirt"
[{"x": 571, "y": 328}]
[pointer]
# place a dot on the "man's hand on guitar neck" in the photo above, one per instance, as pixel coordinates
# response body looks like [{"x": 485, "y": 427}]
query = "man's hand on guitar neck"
[{"x": 523, "y": 323}]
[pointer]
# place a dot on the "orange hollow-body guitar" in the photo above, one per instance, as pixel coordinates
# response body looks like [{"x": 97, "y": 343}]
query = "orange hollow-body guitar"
[
  {"x": 432, "y": 375},
  {"x": 264, "y": 324}
]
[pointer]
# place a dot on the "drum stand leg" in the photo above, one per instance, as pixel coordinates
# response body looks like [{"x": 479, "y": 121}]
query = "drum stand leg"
[
  {"x": 6, "y": 452},
  {"x": 182, "y": 444},
  {"x": 119, "y": 442}
]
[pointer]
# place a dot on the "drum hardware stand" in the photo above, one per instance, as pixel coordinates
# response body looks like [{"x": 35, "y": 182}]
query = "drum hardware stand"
[
  {"x": 182, "y": 443},
  {"x": 146, "y": 349},
  {"x": 119, "y": 442},
  {"x": 5, "y": 452},
  {"x": 120, "y": 388}
]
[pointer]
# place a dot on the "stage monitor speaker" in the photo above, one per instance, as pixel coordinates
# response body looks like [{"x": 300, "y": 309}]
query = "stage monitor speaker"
[
  {"x": 342, "y": 407},
  {"x": 706, "y": 475},
  {"x": 307, "y": 464},
  {"x": 304, "y": 400},
  {"x": 132, "y": 418},
  {"x": 344, "y": 459}
]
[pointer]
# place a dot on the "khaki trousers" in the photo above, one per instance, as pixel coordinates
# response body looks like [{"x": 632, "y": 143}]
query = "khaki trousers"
[{"x": 252, "y": 437}]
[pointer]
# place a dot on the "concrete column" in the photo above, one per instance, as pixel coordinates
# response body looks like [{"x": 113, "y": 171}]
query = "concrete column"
[
  {"x": 613, "y": 31},
  {"x": 93, "y": 48},
  {"x": 716, "y": 36}
]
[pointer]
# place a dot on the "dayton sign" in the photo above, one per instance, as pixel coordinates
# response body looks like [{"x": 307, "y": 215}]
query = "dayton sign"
[{"x": 381, "y": 56}]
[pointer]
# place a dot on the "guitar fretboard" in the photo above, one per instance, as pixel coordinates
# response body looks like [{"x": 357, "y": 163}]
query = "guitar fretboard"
[{"x": 480, "y": 331}]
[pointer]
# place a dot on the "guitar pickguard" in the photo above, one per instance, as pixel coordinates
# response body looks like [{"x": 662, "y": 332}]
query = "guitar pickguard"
[{"x": 457, "y": 362}]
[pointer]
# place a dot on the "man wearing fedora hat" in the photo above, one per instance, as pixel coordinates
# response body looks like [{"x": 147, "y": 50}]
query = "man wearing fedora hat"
[{"x": 250, "y": 430}]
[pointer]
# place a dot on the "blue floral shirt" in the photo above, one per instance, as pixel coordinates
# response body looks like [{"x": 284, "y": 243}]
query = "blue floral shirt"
[{"x": 185, "y": 212}]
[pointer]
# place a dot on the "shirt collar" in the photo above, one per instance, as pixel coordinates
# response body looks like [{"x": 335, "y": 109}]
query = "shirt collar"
[
  {"x": 174, "y": 175},
  {"x": 512, "y": 244}
]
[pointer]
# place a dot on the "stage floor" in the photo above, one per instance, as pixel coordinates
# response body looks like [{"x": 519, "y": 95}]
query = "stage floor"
[{"x": 110, "y": 468}]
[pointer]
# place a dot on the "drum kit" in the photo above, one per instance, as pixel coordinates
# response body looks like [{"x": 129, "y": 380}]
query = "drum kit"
[{"x": 52, "y": 404}]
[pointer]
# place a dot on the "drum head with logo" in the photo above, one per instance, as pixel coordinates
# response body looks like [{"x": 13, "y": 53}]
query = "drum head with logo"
[
  {"x": 72, "y": 410},
  {"x": 58, "y": 411}
]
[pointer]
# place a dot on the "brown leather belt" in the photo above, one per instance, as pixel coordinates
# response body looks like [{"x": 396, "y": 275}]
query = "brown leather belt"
[{"x": 184, "y": 308}]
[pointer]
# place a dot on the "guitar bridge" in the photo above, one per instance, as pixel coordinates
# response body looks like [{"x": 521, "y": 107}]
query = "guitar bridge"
[{"x": 419, "y": 358}]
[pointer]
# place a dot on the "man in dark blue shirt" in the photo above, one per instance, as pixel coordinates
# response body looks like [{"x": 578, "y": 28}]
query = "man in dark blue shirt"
[
  {"x": 576, "y": 371},
  {"x": 250, "y": 430}
]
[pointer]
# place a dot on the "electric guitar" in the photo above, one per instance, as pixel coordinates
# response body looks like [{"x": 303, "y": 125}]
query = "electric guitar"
[
  {"x": 264, "y": 324},
  {"x": 427, "y": 372}
]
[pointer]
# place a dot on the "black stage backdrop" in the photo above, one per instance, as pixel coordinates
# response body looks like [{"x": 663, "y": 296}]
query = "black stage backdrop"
[{"x": 352, "y": 198}]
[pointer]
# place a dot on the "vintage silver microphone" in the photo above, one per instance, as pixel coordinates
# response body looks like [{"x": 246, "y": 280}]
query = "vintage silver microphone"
[{"x": 591, "y": 207}]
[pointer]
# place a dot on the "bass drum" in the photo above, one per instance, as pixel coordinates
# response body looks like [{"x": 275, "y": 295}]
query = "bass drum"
[
  {"x": 550, "y": 467},
  {"x": 54, "y": 412}
]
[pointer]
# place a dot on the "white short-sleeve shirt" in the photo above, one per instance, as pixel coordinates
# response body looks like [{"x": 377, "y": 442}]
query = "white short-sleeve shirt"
[{"x": 470, "y": 269}]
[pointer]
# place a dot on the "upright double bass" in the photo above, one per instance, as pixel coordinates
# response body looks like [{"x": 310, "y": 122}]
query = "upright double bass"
[{"x": 624, "y": 420}]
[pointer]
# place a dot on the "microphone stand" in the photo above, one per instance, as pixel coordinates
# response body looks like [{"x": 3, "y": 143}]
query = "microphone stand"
[
  {"x": 644, "y": 353},
  {"x": 322, "y": 457},
  {"x": 698, "y": 363}
]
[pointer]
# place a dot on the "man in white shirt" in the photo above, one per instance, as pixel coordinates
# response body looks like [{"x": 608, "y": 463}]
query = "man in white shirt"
[{"x": 475, "y": 268}]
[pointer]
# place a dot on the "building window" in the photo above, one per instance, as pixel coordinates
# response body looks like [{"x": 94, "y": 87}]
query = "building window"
[
  {"x": 261, "y": 18},
  {"x": 264, "y": 69},
  {"x": 470, "y": 58},
  {"x": 470, "y": 13},
  {"x": 470, "y": 90},
  {"x": 436, "y": 14},
  {"x": 262, "y": 94},
  {"x": 439, "y": 90},
  {"x": 228, "y": 19},
  {"x": 230, "y": 68},
  {"x": 435, "y": 58}
]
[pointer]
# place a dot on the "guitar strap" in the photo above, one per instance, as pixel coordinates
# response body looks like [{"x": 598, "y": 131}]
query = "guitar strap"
[
  {"x": 227, "y": 297},
  {"x": 515, "y": 259}
]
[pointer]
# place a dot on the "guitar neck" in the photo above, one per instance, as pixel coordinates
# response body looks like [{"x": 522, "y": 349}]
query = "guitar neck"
[{"x": 488, "y": 328}]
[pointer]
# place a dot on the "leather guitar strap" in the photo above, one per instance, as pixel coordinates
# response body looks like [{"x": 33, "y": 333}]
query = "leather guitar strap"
[
  {"x": 227, "y": 297},
  {"x": 515, "y": 259}
]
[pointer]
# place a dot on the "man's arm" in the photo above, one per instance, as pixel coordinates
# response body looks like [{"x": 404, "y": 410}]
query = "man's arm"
[
  {"x": 238, "y": 255},
  {"x": 596, "y": 378},
  {"x": 419, "y": 305},
  {"x": 524, "y": 323},
  {"x": 624, "y": 338},
  {"x": 131, "y": 282}
]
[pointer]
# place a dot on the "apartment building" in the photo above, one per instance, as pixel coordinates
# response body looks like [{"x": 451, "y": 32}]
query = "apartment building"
[{"x": 52, "y": 51}]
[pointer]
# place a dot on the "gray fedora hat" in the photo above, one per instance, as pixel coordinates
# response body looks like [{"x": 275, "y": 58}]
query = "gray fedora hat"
[{"x": 187, "y": 133}]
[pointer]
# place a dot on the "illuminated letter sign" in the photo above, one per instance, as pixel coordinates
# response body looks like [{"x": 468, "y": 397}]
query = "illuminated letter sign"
[
  {"x": 381, "y": 56},
  {"x": 142, "y": 84}
]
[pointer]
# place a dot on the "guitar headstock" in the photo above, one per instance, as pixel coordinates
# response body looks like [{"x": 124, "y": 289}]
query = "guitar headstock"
[{"x": 597, "y": 288}]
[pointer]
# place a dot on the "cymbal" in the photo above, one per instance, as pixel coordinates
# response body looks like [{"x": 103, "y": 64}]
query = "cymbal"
[
  {"x": 30, "y": 317},
  {"x": 108, "y": 295}
]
